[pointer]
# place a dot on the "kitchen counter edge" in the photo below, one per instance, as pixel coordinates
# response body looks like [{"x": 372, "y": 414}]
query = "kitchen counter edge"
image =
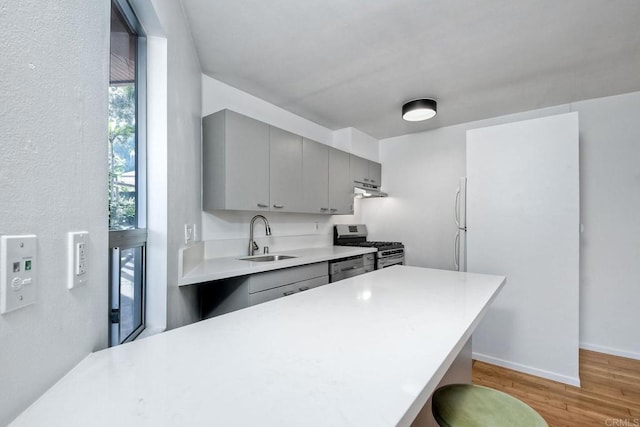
[{"x": 211, "y": 269}]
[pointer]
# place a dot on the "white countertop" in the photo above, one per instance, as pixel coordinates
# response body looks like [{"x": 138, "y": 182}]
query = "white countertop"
[
  {"x": 365, "y": 351},
  {"x": 223, "y": 268}
]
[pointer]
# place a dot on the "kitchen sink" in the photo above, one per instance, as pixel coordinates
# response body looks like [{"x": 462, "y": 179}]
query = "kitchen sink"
[{"x": 266, "y": 258}]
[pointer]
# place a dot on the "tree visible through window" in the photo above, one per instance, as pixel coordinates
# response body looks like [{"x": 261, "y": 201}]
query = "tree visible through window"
[
  {"x": 123, "y": 105},
  {"x": 122, "y": 157}
]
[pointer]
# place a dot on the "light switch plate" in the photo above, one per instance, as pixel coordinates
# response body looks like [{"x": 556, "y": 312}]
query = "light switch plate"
[
  {"x": 18, "y": 275},
  {"x": 77, "y": 258}
]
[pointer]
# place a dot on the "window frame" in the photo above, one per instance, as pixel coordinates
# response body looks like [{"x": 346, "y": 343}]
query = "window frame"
[{"x": 137, "y": 237}]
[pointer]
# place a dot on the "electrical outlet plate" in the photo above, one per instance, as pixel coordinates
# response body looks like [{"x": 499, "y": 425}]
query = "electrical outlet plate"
[
  {"x": 77, "y": 258},
  {"x": 189, "y": 233},
  {"x": 18, "y": 272}
]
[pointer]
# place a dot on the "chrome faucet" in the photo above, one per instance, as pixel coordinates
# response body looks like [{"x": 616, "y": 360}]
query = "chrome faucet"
[{"x": 253, "y": 246}]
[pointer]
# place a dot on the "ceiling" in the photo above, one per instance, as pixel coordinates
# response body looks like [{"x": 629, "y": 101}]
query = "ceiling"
[{"x": 344, "y": 63}]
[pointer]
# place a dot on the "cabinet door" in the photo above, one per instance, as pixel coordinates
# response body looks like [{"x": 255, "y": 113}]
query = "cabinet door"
[
  {"x": 285, "y": 183},
  {"x": 305, "y": 285},
  {"x": 375, "y": 174},
  {"x": 340, "y": 183},
  {"x": 276, "y": 278},
  {"x": 315, "y": 177},
  {"x": 359, "y": 169},
  {"x": 273, "y": 293},
  {"x": 213, "y": 162},
  {"x": 247, "y": 163}
]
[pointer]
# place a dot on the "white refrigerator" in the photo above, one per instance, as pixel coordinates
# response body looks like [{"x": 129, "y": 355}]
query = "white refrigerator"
[{"x": 460, "y": 216}]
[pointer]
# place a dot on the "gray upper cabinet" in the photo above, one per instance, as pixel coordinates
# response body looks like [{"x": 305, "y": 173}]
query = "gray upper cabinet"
[
  {"x": 359, "y": 168},
  {"x": 340, "y": 183},
  {"x": 249, "y": 165},
  {"x": 285, "y": 176},
  {"x": 235, "y": 155},
  {"x": 365, "y": 171},
  {"x": 315, "y": 176},
  {"x": 375, "y": 173}
]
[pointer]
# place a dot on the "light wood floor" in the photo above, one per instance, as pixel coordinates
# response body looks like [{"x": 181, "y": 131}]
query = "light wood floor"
[{"x": 609, "y": 394}]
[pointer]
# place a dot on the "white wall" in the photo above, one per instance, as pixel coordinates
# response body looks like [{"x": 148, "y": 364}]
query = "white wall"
[
  {"x": 157, "y": 180},
  {"x": 227, "y": 232},
  {"x": 610, "y": 206},
  {"x": 523, "y": 217},
  {"x": 357, "y": 142},
  {"x": 53, "y": 169},
  {"x": 157, "y": 155},
  {"x": 217, "y": 96},
  {"x": 421, "y": 170},
  {"x": 179, "y": 158}
]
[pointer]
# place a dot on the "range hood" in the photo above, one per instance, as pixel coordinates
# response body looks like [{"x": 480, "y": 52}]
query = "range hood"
[{"x": 365, "y": 191}]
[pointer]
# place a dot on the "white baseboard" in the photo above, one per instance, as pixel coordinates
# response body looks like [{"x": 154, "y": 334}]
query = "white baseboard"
[
  {"x": 609, "y": 350},
  {"x": 574, "y": 381}
]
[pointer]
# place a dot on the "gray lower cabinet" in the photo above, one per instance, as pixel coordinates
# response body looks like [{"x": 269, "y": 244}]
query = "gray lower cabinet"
[
  {"x": 286, "y": 290},
  {"x": 340, "y": 183},
  {"x": 234, "y": 294},
  {"x": 285, "y": 171},
  {"x": 235, "y": 155},
  {"x": 315, "y": 177}
]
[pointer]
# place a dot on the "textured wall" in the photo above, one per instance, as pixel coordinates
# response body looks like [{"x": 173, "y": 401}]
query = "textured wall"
[{"x": 53, "y": 179}]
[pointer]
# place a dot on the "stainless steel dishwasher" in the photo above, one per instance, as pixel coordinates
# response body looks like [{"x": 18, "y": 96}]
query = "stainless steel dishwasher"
[{"x": 352, "y": 266}]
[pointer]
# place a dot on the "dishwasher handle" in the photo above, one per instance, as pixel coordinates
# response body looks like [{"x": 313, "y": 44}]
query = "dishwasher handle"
[{"x": 344, "y": 274}]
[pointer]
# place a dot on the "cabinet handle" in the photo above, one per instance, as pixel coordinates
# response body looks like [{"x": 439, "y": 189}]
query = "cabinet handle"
[
  {"x": 373, "y": 180},
  {"x": 278, "y": 206},
  {"x": 324, "y": 209},
  {"x": 262, "y": 205},
  {"x": 286, "y": 294},
  {"x": 333, "y": 209},
  {"x": 304, "y": 288},
  {"x": 366, "y": 180}
]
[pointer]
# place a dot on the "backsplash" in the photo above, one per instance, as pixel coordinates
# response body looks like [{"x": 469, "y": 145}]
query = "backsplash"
[{"x": 226, "y": 233}]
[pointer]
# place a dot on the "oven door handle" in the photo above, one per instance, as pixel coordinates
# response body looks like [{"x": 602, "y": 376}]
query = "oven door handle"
[{"x": 392, "y": 257}]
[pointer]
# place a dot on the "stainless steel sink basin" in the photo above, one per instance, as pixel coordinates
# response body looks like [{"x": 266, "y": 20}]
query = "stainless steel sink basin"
[{"x": 266, "y": 258}]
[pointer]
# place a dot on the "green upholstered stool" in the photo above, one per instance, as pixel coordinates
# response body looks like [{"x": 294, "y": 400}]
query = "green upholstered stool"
[{"x": 467, "y": 405}]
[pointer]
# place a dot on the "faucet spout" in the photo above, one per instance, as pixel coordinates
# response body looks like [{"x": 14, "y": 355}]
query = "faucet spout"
[{"x": 253, "y": 246}]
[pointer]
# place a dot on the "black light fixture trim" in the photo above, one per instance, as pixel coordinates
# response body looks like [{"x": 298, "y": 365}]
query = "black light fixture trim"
[{"x": 427, "y": 105}]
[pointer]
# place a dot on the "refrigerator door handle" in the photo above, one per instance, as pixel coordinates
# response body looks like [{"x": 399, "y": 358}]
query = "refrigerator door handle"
[
  {"x": 456, "y": 251},
  {"x": 456, "y": 207}
]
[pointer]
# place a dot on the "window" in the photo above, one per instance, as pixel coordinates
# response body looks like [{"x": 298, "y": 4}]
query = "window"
[{"x": 127, "y": 175}]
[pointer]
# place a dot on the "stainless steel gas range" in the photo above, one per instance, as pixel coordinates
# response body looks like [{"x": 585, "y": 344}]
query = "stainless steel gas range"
[{"x": 389, "y": 253}]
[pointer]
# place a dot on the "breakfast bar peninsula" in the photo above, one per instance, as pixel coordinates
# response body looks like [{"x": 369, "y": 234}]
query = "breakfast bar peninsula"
[{"x": 365, "y": 351}]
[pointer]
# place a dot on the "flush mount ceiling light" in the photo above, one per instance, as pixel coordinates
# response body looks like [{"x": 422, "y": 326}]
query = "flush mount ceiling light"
[{"x": 419, "y": 109}]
